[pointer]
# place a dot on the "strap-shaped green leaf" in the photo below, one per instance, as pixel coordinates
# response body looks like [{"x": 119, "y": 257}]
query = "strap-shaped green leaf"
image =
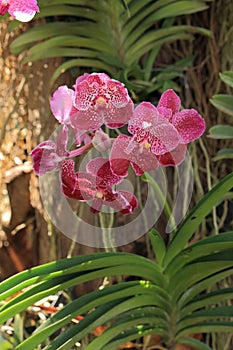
[
  {"x": 44, "y": 289},
  {"x": 57, "y": 29},
  {"x": 223, "y": 154},
  {"x": 205, "y": 247},
  {"x": 207, "y": 299},
  {"x": 194, "y": 273},
  {"x": 74, "y": 334},
  {"x": 73, "y": 265},
  {"x": 206, "y": 327},
  {"x": 208, "y": 282},
  {"x": 158, "y": 245},
  {"x": 195, "y": 217},
  {"x": 215, "y": 313},
  {"x": 196, "y": 344}
]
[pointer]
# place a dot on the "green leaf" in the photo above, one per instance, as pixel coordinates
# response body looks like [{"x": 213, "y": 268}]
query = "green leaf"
[
  {"x": 73, "y": 334},
  {"x": 221, "y": 132},
  {"x": 215, "y": 313},
  {"x": 206, "y": 327},
  {"x": 127, "y": 31},
  {"x": 78, "y": 264},
  {"x": 225, "y": 153},
  {"x": 79, "y": 62},
  {"x": 201, "y": 286},
  {"x": 195, "y": 273},
  {"x": 227, "y": 77},
  {"x": 205, "y": 247},
  {"x": 195, "y": 217},
  {"x": 207, "y": 299},
  {"x": 158, "y": 245},
  {"x": 196, "y": 344},
  {"x": 223, "y": 102}
]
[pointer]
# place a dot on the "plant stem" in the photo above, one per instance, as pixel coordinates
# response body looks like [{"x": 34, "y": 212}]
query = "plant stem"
[
  {"x": 106, "y": 229},
  {"x": 167, "y": 209}
]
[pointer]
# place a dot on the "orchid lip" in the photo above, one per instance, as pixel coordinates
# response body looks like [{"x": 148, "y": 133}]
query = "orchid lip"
[{"x": 146, "y": 125}]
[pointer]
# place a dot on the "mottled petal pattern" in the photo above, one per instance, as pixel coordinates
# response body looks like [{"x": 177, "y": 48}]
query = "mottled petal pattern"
[
  {"x": 149, "y": 126},
  {"x": 189, "y": 124},
  {"x": 78, "y": 185},
  {"x": 170, "y": 100},
  {"x": 45, "y": 158},
  {"x": 48, "y": 155},
  {"x": 22, "y": 10},
  {"x": 100, "y": 167},
  {"x": 98, "y": 100},
  {"x": 139, "y": 157},
  {"x": 95, "y": 185},
  {"x": 173, "y": 158}
]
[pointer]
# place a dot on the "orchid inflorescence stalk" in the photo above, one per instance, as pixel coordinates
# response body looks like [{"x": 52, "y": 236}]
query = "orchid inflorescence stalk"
[{"x": 159, "y": 137}]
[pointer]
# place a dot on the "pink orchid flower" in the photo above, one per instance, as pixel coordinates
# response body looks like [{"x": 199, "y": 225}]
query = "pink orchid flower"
[
  {"x": 48, "y": 155},
  {"x": 96, "y": 185},
  {"x": 188, "y": 122},
  {"x": 152, "y": 130},
  {"x": 160, "y": 136},
  {"x": 22, "y": 10},
  {"x": 100, "y": 100},
  {"x": 140, "y": 158}
]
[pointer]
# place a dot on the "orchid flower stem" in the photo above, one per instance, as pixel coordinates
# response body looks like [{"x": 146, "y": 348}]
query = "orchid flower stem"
[
  {"x": 167, "y": 210},
  {"x": 106, "y": 229},
  {"x": 76, "y": 152}
]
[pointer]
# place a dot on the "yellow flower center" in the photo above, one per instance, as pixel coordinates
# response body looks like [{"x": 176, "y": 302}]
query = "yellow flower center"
[
  {"x": 146, "y": 145},
  {"x": 99, "y": 195},
  {"x": 100, "y": 101}
]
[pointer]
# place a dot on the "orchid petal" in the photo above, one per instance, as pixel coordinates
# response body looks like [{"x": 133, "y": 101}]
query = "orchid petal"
[
  {"x": 61, "y": 104},
  {"x": 86, "y": 120},
  {"x": 101, "y": 141},
  {"x": 140, "y": 158},
  {"x": 44, "y": 157},
  {"x": 163, "y": 138},
  {"x": 170, "y": 100},
  {"x": 173, "y": 158},
  {"x": 100, "y": 167},
  {"x": 144, "y": 116},
  {"x": 189, "y": 124},
  {"x": 23, "y": 10},
  {"x": 98, "y": 100},
  {"x": 76, "y": 185}
]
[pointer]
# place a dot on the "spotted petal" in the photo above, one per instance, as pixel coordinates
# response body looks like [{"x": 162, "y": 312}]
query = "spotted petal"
[
  {"x": 189, "y": 124},
  {"x": 139, "y": 157},
  {"x": 100, "y": 168},
  {"x": 163, "y": 138},
  {"x": 76, "y": 185},
  {"x": 173, "y": 158},
  {"x": 144, "y": 117},
  {"x": 170, "y": 100},
  {"x": 98, "y": 100},
  {"x": 23, "y": 10}
]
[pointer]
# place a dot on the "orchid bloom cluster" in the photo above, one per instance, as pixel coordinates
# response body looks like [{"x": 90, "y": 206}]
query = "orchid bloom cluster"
[
  {"x": 22, "y": 10},
  {"x": 157, "y": 136}
]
